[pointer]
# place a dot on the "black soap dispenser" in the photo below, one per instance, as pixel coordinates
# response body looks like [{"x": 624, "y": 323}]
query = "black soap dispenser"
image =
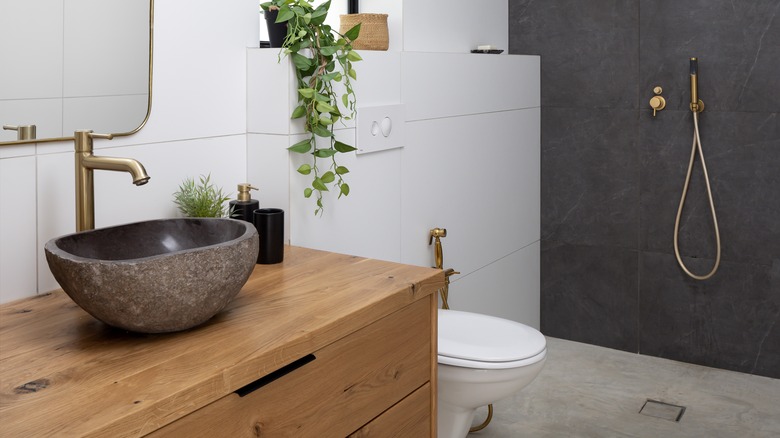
[{"x": 243, "y": 207}]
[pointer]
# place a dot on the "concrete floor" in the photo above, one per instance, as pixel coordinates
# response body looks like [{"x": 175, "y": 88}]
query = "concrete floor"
[{"x": 589, "y": 391}]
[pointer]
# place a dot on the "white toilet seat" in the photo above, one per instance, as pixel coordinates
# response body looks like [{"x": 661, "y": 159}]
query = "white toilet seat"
[{"x": 473, "y": 340}]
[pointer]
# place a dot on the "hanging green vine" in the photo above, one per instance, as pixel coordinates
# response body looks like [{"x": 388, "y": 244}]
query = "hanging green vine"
[{"x": 322, "y": 58}]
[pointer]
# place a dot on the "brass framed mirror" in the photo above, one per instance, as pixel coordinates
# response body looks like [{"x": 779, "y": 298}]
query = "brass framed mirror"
[{"x": 75, "y": 64}]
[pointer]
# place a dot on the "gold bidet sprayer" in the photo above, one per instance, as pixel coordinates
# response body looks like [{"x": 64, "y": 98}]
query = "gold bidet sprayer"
[
  {"x": 435, "y": 235},
  {"x": 434, "y": 238}
]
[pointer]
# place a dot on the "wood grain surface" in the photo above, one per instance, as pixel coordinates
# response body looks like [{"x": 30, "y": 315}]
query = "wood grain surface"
[{"x": 63, "y": 373}]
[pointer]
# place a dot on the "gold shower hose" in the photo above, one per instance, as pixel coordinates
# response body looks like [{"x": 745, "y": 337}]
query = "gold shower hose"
[{"x": 696, "y": 146}]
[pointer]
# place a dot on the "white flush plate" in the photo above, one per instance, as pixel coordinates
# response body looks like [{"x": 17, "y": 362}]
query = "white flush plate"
[{"x": 380, "y": 128}]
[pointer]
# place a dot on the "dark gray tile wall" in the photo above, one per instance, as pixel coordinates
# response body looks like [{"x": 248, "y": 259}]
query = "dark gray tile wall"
[{"x": 612, "y": 175}]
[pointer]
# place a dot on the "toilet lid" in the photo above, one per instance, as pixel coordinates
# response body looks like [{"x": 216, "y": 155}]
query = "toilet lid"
[{"x": 484, "y": 338}]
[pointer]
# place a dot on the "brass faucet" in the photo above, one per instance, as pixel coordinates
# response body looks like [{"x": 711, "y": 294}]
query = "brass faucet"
[{"x": 86, "y": 162}]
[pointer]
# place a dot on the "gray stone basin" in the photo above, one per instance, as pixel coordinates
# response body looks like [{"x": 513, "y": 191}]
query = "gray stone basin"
[{"x": 155, "y": 276}]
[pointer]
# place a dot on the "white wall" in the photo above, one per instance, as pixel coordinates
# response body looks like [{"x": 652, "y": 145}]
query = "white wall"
[
  {"x": 197, "y": 126},
  {"x": 470, "y": 164}
]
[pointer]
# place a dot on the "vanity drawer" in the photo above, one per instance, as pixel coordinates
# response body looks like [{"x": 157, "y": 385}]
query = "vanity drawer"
[
  {"x": 345, "y": 386},
  {"x": 411, "y": 417}
]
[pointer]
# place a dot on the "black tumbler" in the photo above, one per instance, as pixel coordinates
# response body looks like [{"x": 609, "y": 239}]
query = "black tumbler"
[{"x": 270, "y": 226}]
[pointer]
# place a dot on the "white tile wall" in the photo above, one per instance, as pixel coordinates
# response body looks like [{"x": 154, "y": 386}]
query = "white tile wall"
[
  {"x": 470, "y": 164},
  {"x": 12, "y": 151},
  {"x": 365, "y": 223},
  {"x": 451, "y": 84},
  {"x": 478, "y": 177},
  {"x": 269, "y": 91},
  {"x": 379, "y": 78},
  {"x": 17, "y": 228},
  {"x": 507, "y": 288},
  {"x": 55, "y": 207},
  {"x": 455, "y": 25},
  {"x": 197, "y": 126},
  {"x": 268, "y": 168}
]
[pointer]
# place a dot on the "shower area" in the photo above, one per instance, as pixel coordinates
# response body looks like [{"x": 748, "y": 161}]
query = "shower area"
[{"x": 612, "y": 175}]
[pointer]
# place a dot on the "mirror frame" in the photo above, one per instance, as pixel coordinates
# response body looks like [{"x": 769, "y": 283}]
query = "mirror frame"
[{"x": 114, "y": 134}]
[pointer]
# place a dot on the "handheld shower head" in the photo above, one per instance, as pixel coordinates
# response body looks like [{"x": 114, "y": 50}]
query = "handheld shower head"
[{"x": 697, "y": 105}]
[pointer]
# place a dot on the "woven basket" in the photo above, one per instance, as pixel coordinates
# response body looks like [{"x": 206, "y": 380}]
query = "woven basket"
[{"x": 373, "y": 31}]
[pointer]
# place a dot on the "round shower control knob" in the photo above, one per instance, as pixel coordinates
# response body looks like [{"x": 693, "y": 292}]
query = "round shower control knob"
[{"x": 657, "y": 103}]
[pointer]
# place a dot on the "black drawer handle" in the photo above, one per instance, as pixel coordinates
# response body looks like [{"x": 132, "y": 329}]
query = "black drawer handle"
[{"x": 268, "y": 378}]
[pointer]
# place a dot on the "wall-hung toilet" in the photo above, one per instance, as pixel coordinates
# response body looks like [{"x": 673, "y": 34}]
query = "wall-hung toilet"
[{"x": 482, "y": 359}]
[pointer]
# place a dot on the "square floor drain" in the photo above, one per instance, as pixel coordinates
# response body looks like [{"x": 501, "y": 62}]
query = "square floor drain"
[{"x": 666, "y": 411}]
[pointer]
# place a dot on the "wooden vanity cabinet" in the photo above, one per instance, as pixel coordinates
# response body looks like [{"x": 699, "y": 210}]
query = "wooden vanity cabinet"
[
  {"x": 321, "y": 345},
  {"x": 335, "y": 391}
]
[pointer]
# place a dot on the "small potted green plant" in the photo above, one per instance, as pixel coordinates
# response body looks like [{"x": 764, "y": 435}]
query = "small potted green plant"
[
  {"x": 200, "y": 200},
  {"x": 322, "y": 58}
]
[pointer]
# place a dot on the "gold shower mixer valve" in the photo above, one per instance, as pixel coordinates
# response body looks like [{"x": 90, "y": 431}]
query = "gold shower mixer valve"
[{"x": 657, "y": 102}]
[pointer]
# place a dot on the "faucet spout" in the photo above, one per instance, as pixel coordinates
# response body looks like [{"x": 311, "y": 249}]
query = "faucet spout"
[
  {"x": 129, "y": 165},
  {"x": 86, "y": 162}
]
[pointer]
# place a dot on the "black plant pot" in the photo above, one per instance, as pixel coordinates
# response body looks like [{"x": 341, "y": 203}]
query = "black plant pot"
[{"x": 276, "y": 31}]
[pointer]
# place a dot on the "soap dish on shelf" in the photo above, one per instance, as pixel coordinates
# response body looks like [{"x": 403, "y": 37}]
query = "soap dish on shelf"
[{"x": 491, "y": 51}]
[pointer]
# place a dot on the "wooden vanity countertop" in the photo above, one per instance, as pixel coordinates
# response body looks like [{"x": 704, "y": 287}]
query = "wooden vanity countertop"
[{"x": 63, "y": 373}]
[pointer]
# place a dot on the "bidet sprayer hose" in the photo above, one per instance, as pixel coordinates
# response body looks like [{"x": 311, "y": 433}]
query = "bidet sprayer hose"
[
  {"x": 434, "y": 238},
  {"x": 696, "y": 146}
]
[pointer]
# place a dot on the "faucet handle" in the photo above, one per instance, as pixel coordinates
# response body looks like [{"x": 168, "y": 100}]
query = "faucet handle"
[
  {"x": 24, "y": 132},
  {"x": 449, "y": 272},
  {"x": 105, "y": 136}
]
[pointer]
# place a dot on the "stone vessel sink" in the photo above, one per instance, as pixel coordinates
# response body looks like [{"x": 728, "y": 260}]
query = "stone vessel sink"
[{"x": 155, "y": 276}]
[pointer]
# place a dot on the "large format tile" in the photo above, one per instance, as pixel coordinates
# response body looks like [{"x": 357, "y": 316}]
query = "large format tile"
[
  {"x": 507, "y": 288},
  {"x": 484, "y": 84},
  {"x": 589, "y": 294},
  {"x": 590, "y": 178},
  {"x": 475, "y": 178},
  {"x": 589, "y": 52},
  {"x": 366, "y": 223},
  {"x": 17, "y": 229},
  {"x": 608, "y": 55},
  {"x": 737, "y": 43},
  {"x": 729, "y": 321},
  {"x": 465, "y": 26},
  {"x": 742, "y": 153}
]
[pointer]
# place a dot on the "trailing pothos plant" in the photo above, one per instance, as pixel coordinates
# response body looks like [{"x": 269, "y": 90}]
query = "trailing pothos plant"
[{"x": 322, "y": 58}]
